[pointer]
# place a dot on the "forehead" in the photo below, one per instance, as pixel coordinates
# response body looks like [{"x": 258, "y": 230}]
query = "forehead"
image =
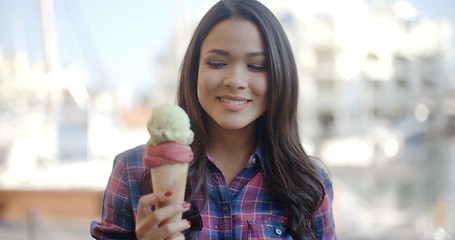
[{"x": 235, "y": 33}]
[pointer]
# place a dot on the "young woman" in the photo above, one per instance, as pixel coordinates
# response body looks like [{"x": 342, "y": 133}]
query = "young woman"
[{"x": 250, "y": 177}]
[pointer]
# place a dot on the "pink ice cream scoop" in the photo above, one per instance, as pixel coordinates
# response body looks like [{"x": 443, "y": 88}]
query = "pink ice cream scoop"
[{"x": 167, "y": 153}]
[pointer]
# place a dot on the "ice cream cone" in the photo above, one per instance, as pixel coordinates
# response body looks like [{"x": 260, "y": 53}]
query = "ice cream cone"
[
  {"x": 169, "y": 154},
  {"x": 170, "y": 178}
]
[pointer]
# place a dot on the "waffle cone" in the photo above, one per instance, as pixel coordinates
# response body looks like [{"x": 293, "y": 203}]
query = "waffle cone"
[{"x": 170, "y": 178}]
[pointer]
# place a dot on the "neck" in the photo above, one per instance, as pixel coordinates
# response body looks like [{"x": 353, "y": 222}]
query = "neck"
[{"x": 232, "y": 146}]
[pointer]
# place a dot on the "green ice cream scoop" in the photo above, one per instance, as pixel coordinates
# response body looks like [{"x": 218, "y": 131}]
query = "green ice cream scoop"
[{"x": 169, "y": 123}]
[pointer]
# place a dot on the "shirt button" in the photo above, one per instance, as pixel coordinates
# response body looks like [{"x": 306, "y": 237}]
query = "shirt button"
[
  {"x": 224, "y": 209},
  {"x": 278, "y": 231}
]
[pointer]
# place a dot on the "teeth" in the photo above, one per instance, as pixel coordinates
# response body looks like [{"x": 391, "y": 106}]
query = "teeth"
[{"x": 233, "y": 102}]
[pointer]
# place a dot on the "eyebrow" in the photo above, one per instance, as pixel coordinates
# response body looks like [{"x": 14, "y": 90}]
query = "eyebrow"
[
  {"x": 225, "y": 53},
  {"x": 218, "y": 51},
  {"x": 254, "y": 54}
]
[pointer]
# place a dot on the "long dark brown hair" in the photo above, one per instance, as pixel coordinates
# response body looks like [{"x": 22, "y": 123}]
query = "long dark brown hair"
[{"x": 295, "y": 178}]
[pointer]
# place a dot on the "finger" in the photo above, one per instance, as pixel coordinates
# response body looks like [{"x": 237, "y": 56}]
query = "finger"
[
  {"x": 146, "y": 203},
  {"x": 171, "y": 230},
  {"x": 161, "y": 214}
]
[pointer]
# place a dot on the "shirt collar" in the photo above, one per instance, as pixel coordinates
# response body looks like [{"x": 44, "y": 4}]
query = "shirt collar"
[
  {"x": 252, "y": 161},
  {"x": 258, "y": 155}
]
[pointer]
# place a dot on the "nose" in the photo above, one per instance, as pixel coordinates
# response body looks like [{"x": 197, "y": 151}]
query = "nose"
[{"x": 236, "y": 77}]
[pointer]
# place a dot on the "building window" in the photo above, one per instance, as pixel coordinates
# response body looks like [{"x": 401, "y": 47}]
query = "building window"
[
  {"x": 402, "y": 83},
  {"x": 326, "y": 120},
  {"x": 428, "y": 82}
]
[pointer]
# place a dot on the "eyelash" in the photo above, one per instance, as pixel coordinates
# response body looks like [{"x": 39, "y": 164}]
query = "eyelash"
[
  {"x": 257, "y": 67},
  {"x": 216, "y": 64},
  {"x": 254, "y": 67}
]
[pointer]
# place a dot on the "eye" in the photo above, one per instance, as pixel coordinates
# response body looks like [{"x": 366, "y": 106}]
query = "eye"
[
  {"x": 257, "y": 67},
  {"x": 216, "y": 64}
]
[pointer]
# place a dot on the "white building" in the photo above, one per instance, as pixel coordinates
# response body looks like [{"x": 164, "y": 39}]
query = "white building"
[{"x": 365, "y": 65}]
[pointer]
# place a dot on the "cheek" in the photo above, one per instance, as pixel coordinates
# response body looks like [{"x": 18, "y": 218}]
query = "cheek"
[
  {"x": 203, "y": 86},
  {"x": 206, "y": 81},
  {"x": 261, "y": 90},
  {"x": 200, "y": 83},
  {"x": 261, "y": 86},
  {"x": 199, "y": 88}
]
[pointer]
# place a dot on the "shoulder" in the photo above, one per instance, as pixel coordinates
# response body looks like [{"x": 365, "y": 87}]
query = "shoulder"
[
  {"x": 130, "y": 157},
  {"x": 323, "y": 173},
  {"x": 128, "y": 164},
  {"x": 126, "y": 177},
  {"x": 324, "y": 223}
]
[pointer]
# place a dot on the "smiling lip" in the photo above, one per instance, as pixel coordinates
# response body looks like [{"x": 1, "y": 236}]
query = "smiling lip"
[{"x": 233, "y": 103}]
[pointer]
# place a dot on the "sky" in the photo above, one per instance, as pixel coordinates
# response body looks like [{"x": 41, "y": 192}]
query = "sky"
[{"x": 117, "y": 41}]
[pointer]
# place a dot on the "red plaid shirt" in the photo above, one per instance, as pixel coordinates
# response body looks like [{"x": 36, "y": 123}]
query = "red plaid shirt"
[{"x": 243, "y": 210}]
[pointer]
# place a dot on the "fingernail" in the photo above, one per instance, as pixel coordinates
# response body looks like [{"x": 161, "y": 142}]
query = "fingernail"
[
  {"x": 186, "y": 205},
  {"x": 168, "y": 194}
]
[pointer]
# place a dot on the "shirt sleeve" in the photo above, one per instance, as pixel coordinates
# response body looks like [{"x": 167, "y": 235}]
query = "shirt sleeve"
[
  {"x": 117, "y": 213},
  {"x": 324, "y": 222}
]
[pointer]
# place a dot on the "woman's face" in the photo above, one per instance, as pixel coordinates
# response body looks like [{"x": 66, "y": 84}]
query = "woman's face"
[{"x": 232, "y": 80}]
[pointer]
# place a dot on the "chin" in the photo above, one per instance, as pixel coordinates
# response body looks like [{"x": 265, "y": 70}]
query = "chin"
[{"x": 234, "y": 125}]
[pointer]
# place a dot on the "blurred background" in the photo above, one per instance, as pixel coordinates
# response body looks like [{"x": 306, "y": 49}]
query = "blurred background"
[{"x": 78, "y": 80}]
